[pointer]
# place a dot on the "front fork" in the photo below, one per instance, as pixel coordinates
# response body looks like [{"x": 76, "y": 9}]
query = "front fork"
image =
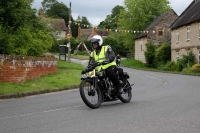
[{"x": 91, "y": 92}]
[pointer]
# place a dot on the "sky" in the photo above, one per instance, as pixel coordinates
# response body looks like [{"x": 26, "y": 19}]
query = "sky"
[{"x": 97, "y": 10}]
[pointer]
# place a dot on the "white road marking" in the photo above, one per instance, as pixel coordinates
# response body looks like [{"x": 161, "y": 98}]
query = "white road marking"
[
  {"x": 46, "y": 111},
  {"x": 151, "y": 77}
]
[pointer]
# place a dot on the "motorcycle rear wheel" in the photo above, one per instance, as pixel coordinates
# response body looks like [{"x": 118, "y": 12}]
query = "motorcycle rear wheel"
[
  {"x": 126, "y": 96},
  {"x": 92, "y": 99}
]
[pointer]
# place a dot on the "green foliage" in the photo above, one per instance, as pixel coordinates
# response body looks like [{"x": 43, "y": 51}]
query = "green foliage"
[
  {"x": 46, "y": 4},
  {"x": 110, "y": 41},
  {"x": 29, "y": 43},
  {"x": 186, "y": 61},
  {"x": 83, "y": 20},
  {"x": 21, "y": 31},
  {"x": 169, "y": 66},
  {"x": 111, "y": 20},
  {"x": 116, "y": 45},
  {"x": 138, "y": 14},
  {"x": 195, "y": 68},
  {"x": 132, "y": 63},
  {"x": 57, "y": 43},
  {"x": 150, "y": 54},
  {"x": 12, "y": 14},
  {"x": 163, "y": 54}
]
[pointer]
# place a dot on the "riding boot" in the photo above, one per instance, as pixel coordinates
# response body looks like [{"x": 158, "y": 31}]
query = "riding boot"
[{"x": 119, "y": 90}]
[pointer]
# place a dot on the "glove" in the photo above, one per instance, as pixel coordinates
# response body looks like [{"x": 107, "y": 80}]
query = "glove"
[
  {"x": 105, "y": 62},
  {"x": 83, "y": 71}
]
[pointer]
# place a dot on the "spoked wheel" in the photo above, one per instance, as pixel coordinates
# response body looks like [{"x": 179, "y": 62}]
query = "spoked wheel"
[
  {"x": 91, "y": 97},
  {"x": 126, "y": 96}
]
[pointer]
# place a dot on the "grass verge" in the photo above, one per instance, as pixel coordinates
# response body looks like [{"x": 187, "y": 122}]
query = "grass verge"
[
  {"x": 67, "y": 77},
  {"x": 139, "y": 65}
]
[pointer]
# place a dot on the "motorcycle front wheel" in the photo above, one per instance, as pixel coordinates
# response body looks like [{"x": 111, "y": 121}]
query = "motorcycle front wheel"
[
  {"x": 91, "y": 96},
  {"x": 126, "y": 96}
]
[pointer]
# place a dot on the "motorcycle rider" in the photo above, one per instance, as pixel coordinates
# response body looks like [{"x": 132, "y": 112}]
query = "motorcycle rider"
[
  {"x": 118, "y": 59},
  {"x": 106, "y": 56}
]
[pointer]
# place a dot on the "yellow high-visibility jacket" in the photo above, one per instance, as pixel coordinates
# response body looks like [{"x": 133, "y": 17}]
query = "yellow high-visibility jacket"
[{"x": 101, "y": 57}]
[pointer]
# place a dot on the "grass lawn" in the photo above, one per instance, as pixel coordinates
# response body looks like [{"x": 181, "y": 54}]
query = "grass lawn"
[
  {"x": 67, "y": 77},
  {"x": 139, "y": 65}
]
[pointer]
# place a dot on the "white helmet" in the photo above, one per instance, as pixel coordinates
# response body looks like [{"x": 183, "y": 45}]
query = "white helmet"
[{"x": 97, "y": 38}]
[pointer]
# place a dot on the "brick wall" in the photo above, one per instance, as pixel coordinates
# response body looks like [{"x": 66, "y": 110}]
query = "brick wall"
[{"x": 22, "y": 68}]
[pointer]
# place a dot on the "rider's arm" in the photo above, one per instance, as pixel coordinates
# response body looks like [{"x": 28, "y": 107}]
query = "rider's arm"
[
  {"x": 110, "y": 55},
  {"x": 91, "y": 60}
]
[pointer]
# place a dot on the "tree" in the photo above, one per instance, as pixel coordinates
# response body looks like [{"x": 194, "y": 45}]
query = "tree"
[
  {"x": 83, "y": 21},
  {"x": 21, "y": 32},
  {"x": 111, "y": 20},
  {"x": 58, "y": 10},
  {"x": 55, "y": 9},
  {"x": 138, "y": 14},
  {"x": 46, "y": 4}
]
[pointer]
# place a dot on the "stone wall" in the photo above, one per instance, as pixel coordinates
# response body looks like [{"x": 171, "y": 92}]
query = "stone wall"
[{"x": 22, "y": 68}]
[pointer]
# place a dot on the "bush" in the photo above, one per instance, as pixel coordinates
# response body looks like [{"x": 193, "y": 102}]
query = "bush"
[
  {"x": 150, "y": 54},
  {"x": 186, "y": 62},
  {"x": 163, "y": 54},
  {"x": 195, "y": 68},
  {"x": 172, "y": 66}
]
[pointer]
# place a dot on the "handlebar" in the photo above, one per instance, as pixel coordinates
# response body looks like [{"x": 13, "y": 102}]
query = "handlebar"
[{"x": 92, "y": 66}]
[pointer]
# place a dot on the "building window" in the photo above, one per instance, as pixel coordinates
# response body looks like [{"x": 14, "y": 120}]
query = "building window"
[
  {"x": 58, "y": 33},
  {"x": 177, "y": 55},
  {"x": 199, "y": 30},
  {"x": 160, "y": 32},
  {"x": 199, "y": 56},
  {"x": 140, "y": 47},
  {"x": 188, "y": 33},
  {"x": 177, "y": 36},
  {"x": 187, "y": 52}
]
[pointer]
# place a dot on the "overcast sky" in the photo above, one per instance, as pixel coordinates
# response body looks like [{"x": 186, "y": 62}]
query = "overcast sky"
[{"x": 97, "y": 10}]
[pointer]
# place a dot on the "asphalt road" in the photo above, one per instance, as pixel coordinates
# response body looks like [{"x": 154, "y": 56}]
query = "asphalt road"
[{"x": 161, "y": 103}]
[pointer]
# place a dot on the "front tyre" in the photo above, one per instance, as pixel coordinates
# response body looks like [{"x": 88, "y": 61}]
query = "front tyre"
[
  {"x": 126, "y": 96},
  {"x": 91, "y": 97}
]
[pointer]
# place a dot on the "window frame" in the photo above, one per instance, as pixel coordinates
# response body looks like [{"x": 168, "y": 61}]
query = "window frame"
[
  {"x": 187, "y": 52},
  {"x": 177, "y": 36},
  {"x": 199, "y": 56},
  {"x": 160, "y": 32},
  {"x": 187, "y": 33},
  {"x": 177, "y": 55},
  {"x": 199, "y": 30}
]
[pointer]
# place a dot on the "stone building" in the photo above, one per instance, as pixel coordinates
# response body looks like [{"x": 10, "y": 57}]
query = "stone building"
[
  {"x": 161, "y": 26},
  {"x": 87, "y": 34},
  {"x": 185, "y": 33}
]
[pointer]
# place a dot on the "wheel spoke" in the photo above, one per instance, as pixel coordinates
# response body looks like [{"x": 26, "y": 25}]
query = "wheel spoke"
[{"x": 87, "y": 89}]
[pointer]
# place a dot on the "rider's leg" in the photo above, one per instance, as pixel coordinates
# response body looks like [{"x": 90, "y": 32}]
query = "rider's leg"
[{"x": 112, "y": 75}]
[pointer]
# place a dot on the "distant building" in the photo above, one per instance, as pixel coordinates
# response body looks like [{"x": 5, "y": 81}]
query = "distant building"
[
  {"x": 87, "y": 34},
  {"x": 185, "y": 32},
  {"x": 57, "y": 25},
  {"x": 161, "y": 26}
]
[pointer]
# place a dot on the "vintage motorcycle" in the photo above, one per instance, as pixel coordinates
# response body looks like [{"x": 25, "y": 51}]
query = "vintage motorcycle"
[{"x": 96, "y": 88}]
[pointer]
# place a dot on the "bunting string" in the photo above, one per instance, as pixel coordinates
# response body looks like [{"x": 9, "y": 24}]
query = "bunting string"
[{"x": 116, "y": 30}]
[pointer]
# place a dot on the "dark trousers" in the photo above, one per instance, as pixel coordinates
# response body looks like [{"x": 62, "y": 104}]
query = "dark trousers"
[{"x": 111, "y": 72}]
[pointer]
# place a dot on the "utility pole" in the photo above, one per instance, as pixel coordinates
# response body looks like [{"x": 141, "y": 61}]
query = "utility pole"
[{"x": 70, "y": 33}]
